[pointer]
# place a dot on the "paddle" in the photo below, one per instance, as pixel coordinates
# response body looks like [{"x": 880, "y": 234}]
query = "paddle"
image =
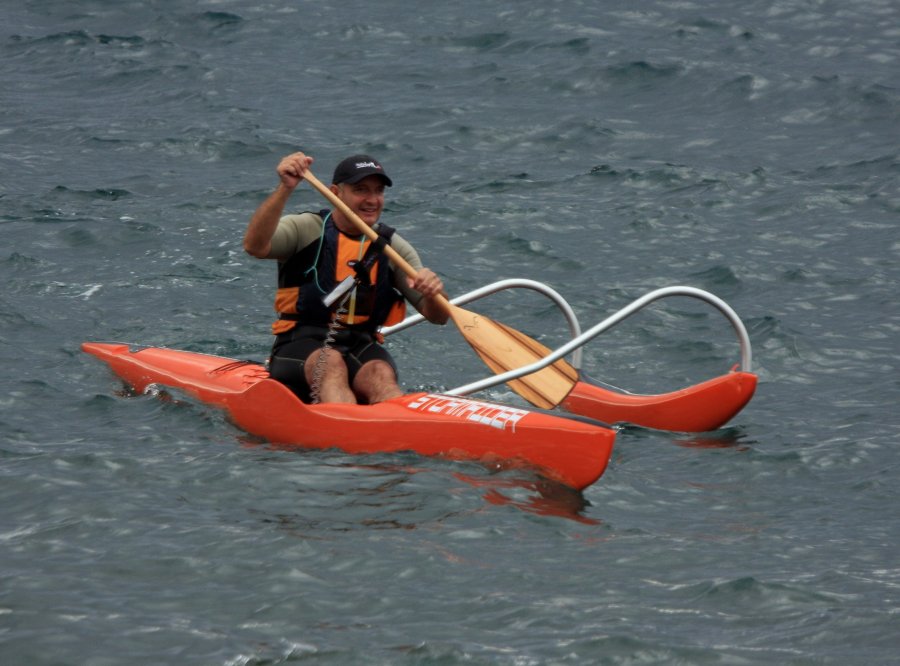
[{"x": 499, "y": 346}]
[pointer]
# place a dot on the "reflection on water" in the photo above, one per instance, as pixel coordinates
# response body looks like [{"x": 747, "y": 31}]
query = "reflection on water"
[{"x": 540, "y": 496}]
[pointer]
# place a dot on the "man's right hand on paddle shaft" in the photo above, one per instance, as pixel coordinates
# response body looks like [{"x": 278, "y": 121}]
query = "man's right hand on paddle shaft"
[{"x": 292, "y": 168}]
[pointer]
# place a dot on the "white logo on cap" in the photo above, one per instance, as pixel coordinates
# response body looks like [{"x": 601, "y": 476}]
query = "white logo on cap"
[{"x": 362, "y": 165}]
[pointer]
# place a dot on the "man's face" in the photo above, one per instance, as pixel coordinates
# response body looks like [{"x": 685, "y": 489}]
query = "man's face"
[{"x": 365, "y": 198}]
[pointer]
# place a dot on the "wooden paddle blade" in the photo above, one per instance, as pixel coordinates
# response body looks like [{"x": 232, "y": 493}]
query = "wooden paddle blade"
[{"x": 503, "y": 349}]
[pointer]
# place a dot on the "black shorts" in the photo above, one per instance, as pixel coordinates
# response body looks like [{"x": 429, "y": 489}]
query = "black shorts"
[{"x": 292, "y": 350}]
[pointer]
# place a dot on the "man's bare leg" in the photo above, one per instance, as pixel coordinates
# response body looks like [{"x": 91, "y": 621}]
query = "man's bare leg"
[{"x": 333, "y": 381}]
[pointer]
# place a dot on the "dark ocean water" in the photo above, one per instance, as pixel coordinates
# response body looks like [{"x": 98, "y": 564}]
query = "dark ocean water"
[{"x": 605, "y": 148}]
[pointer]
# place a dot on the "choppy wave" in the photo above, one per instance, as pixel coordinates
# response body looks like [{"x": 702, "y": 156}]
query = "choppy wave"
[{"x": 748, "y": 150}]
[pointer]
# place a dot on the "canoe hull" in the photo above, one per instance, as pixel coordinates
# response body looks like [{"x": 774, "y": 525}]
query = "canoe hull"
[{"x": 569, "y": 451}]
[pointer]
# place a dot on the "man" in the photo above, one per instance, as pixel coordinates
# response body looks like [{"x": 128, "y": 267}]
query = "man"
[{"x": 332, "y": 354}]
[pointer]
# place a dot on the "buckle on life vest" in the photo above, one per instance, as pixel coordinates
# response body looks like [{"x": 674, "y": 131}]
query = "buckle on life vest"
[
  {"x": 361, "y": 269},
  {"x": 343, "y": 287}
]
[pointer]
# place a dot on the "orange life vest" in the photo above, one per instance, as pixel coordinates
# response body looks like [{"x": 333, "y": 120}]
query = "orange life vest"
[{"x": 316, "y": 269}]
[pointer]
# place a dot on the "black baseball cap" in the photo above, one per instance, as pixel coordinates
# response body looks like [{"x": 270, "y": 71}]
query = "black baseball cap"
[{"x": 356, "y": 167}]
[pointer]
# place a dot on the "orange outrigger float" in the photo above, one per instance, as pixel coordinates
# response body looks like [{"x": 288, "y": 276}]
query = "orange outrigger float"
[
  {"x": 571, "y": 451},
  {"x": 699, "y": 408}
]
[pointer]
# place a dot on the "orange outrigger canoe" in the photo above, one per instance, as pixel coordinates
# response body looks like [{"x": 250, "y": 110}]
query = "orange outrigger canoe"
[{"x": 571, "y": 451}]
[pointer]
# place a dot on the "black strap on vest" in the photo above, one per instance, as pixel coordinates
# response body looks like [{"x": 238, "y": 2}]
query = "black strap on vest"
[{"x": 363, "y": 267}]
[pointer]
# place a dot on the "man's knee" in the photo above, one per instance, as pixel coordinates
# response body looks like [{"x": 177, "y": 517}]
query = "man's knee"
[{"x": 376, "y": 381}]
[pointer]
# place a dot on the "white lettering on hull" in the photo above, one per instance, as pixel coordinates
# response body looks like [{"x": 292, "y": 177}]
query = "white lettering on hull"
[{"x": 495, "y": 416}]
